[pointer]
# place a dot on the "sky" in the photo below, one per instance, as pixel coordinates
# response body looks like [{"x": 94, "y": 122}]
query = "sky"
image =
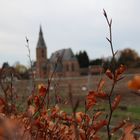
[{"x": 76, "y": 24}]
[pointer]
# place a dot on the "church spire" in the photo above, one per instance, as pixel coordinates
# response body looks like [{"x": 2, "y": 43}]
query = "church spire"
[
  {"x": 41, "y": 42},
  {"x": 40, "y": 32}
]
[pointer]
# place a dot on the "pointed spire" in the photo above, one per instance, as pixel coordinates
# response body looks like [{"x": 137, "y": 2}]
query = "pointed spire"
[
  {"x": 41, "y": 42},
  {"x": 40, "y": 32}
]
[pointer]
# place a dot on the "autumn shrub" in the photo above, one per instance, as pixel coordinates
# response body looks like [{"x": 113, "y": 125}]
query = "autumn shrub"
[
  {"x": 43, "y": 121},
  {"x": 135, "y": 83}
]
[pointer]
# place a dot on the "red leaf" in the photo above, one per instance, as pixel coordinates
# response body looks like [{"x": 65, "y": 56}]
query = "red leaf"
[
  {"x": 109, "y": 74},
  {"x": 100, "y": 85},
  {"x": 90, "y": 95},
  {"x": 128, "y": 135},
  {"x": 79, "y": 117},
  {"x": 98, "y": 125},
  {"x": 119, "y": 71},
  {"x": 101, "y": 95},
  {"x": 116, "y": 102},
  {"x": 36, "y": 101},
  {"x": 42, "y": 91},
  {"x": 97, "y": 114},
  {"x": 90, "y": 100}
]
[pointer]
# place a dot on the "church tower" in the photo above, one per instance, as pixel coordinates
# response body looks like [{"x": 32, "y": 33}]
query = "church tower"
[{"x": 41, "y": 57}]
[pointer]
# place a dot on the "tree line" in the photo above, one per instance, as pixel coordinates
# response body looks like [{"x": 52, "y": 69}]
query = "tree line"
[{"x": 128, "y": 57}]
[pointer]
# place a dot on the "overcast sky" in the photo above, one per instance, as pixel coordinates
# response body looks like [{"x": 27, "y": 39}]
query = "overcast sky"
[{"x": 78, "y": 24}]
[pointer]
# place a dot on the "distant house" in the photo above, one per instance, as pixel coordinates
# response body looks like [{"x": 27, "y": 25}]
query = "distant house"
[
  {"x": 8, "y": 73},
  {"x": 62, "y": 61}
]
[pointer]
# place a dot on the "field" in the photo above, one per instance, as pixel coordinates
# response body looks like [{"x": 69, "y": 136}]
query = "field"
[{"x": 129, "y": 106}]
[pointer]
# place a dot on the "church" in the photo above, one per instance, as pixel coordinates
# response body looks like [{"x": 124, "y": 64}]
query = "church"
[{"x": 63, "y": 62}]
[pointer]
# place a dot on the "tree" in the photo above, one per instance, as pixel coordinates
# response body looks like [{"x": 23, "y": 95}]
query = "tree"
[
  {"x": 97, "y": 61},
  {"x": 5, "y": 65},
  {"x": 128, "y": 57},
  {"x": 83, "y": 59},
  {"x": 22, "y": 70}
]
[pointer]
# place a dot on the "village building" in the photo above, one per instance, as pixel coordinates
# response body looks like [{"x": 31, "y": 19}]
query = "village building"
[{"x": 63, "y": 61}]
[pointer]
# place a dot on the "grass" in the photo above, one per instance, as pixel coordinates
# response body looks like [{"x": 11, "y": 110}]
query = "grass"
[
  {"x": 134, "y": 109},
  {"x": 132, "y": 112}
]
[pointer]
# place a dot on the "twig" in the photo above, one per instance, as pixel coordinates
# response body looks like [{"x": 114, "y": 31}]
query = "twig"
[
  {"x": 109, "y": 22},
  {"x": 31, "y": 65}
]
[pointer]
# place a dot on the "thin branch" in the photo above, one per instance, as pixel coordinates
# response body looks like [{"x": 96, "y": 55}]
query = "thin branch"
[
  {"x": 31, "y": 65},
  {"x": 113, "y": 71}
]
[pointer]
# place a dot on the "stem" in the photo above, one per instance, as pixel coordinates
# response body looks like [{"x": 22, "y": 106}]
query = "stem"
[
  {"x": 111, "y": 111},
  {"x": 113, "y": 71},
  {"x": 110, "y": 32},
  {"x": 31, "y": 65}
]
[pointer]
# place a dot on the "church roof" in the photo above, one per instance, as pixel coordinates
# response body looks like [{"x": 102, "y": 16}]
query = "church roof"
[
  {"x": 41, "y": 41},
  {"x": 65, "y": 54}
]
